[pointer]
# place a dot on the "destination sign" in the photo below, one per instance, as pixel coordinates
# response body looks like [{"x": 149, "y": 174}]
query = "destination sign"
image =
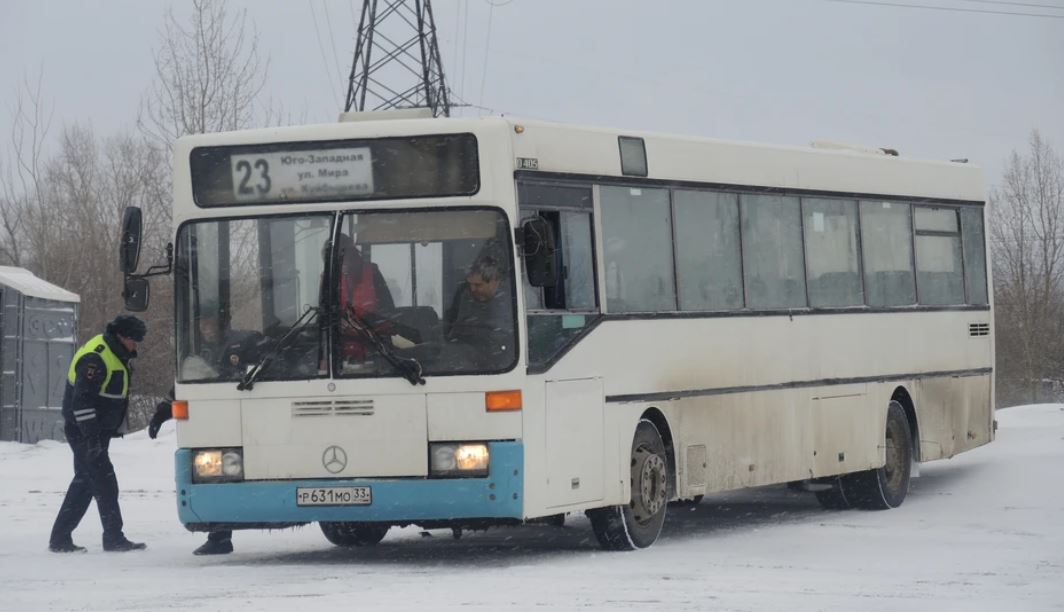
[
  {"x": 282, "y": 173},
  {"x": 322, "y": 174}
]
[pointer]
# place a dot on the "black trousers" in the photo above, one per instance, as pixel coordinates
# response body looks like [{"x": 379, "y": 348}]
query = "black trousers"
[{"x": 92, "y": 480}]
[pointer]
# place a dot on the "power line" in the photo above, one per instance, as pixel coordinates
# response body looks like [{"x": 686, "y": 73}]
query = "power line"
[
  {"x": 950, "y": 9},
  {"x": 487, "y": 53},
  {"x": 321, "y": 48},
  {"x": 465, "y": 42},
  {"x": 494, "y": 111},
  {"x": 332, "y": 40},
  {"x": 1055, "y": 7}
]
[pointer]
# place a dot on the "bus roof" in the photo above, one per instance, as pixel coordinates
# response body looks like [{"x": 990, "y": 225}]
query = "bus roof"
[{"x": 575, "y": 150}]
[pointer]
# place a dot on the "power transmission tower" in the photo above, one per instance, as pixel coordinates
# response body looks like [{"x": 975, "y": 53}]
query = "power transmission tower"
[{"x": 397, "y": 59}]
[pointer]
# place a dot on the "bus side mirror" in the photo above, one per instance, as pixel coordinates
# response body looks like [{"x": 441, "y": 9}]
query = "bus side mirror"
[
  {"x": 129, "y": 244},
  {"x": 539, "y": 249},
  {"x": 135, "y": 294}
]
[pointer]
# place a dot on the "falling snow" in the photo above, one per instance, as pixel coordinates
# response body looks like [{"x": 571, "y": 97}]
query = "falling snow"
[{"x": 983, "y": 531}]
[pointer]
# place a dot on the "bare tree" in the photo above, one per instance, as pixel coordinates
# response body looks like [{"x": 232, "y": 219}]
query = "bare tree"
[
  {"x": 208, "y": 79},
  {"x": 208, "y": 75},
  {"x": 20, "y": 177},
  {"x": 59, "y": 214},
  {"x": 1027, "y": 231}
]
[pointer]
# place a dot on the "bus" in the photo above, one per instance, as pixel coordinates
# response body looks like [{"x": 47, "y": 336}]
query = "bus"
[{"x": 561, "y": 319}]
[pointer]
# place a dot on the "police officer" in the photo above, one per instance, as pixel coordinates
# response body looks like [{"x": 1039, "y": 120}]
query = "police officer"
[{"x": 95, "y": 403}]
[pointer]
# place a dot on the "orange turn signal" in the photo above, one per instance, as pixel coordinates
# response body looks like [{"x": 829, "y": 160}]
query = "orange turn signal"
[
  {"x": 496, "y": 401},
  {"x": 179, "y": 410}
]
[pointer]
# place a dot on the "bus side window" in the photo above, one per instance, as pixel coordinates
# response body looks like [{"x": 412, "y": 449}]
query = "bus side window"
[
  {"x": 772, "y": 251},
  {"x": 557, "y": 315},
  {"x": 974, "y": 255},
  {"x": 939, "y": 271},
  {"x": 708, "y": 256},
  {"x": 576, "y": 284},
  {"x": 887, "y": 253},
  {"x": 568, "y": 210},
  {"x": 637, "y": 238}
]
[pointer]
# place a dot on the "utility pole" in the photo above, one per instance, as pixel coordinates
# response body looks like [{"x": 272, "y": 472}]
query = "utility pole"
[{"x": 397, "y": 59}]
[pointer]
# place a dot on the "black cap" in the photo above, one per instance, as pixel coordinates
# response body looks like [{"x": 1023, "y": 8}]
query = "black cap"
[{"x": 129, "y": 326}]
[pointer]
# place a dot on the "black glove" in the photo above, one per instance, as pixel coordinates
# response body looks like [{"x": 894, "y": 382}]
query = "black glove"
[
  {"x": 163, "y": 413},
  {"x": 93, "y": 449}
]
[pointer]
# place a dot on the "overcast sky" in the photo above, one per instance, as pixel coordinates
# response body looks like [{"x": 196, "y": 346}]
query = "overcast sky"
[{"x": 930, "y": 83}]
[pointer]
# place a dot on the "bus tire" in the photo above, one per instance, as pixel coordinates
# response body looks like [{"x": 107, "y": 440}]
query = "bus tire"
[
  {"x": 835, "y": 497},
  {"x": 884, "y": 488},
  {"x": 637, "y": 524},
  {"x": 354, "y": 534}
]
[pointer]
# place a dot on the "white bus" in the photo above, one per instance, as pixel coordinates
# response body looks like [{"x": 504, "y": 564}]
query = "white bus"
[{"x": 666, "y": 317}]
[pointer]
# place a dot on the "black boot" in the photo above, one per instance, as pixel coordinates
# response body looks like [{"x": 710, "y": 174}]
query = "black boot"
[
  {"x": 122, "y": 545},
  {"x": 215, "y": 547},
  {"x": 65, "y": 547}
]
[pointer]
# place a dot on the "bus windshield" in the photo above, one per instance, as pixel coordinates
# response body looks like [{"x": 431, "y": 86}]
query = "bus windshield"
[{"x": 434, "y": 288}]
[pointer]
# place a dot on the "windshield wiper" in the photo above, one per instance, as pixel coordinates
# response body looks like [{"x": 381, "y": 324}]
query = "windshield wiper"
[
  {"x": 409, "y": 367},
  {"x": 304, "y": 320}
]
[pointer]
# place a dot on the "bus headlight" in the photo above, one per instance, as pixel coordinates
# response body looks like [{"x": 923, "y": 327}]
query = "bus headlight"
[
  {"x": 458, "y": 459},
  {"x": 217, "y": 465}
]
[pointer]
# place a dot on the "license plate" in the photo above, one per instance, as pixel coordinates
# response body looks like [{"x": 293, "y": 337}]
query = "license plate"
[{"x": 334, "y": 496}]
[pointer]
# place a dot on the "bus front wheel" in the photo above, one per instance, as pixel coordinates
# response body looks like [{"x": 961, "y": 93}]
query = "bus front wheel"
[
  {"x": 885, "y": 487},
  {"x": 638, "y": 524},
  {"x": 354, "y": 534}
]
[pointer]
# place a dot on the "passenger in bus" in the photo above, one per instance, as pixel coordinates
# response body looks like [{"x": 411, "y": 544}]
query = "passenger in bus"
[
  {"x": 480, "y": 318},
  {"x": 220, "y": 354},
  {"x": 364, "y": 290}
]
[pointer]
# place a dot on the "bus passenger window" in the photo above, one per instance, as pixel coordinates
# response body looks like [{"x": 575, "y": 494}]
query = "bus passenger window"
[
  {"x": 831, "y": 252},
  {"x": 708, "y": 261},
  {"x": 637, "y": 232},
  {"x": 772, "y": 251},
  {"x": 974, "y": 255},
  {"x": 939, "y": 277},
  {"x": 886, "y": 242}
]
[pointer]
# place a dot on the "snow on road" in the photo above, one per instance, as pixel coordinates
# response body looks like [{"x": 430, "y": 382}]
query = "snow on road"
[{"x": 983, "y": 531}]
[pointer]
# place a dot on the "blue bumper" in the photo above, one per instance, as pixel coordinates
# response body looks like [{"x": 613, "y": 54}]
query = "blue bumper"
[{"x": 497, "y": 496}]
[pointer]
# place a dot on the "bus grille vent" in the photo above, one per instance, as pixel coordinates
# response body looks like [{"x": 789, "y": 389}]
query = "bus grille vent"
[
  {"x": 978, "y": 329},
  {"x": 350, "y": 407},
  {"x": 353, "y": 407}
]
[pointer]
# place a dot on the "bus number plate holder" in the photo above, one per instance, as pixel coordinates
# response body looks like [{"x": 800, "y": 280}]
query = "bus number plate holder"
[{"x": 334, "y": 496}]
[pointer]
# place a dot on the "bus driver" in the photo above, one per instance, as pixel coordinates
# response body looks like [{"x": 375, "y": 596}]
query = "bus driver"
[{"x": 480, "y": 317}]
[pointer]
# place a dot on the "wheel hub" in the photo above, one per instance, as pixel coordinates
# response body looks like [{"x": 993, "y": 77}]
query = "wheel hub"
[
  {"x": 652, "y": 486},
  {"x": 894, "y": 469}
]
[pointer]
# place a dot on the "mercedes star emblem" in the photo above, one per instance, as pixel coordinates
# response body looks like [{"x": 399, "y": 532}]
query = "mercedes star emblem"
[{"x": 334, "y": 459}]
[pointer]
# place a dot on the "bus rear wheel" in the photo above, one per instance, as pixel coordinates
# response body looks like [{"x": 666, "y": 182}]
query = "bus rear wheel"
[
  {"x": 638, "y": 524},
  {"x": 884, "y": 488},
  {"x": 354, "y": 534}
]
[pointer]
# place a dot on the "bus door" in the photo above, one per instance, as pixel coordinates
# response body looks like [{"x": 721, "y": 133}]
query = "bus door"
[{"x": 558, "y": 317}]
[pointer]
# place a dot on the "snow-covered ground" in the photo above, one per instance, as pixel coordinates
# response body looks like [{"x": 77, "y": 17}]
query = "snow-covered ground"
[{"x": 983, "y": 531}]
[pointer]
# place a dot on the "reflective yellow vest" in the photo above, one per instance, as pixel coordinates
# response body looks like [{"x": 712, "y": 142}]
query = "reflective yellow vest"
[{"x": 117, "y": 373}]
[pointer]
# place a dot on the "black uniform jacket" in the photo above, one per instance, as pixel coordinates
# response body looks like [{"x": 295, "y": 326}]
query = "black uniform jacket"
[{"x": 84, "y": 408}]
